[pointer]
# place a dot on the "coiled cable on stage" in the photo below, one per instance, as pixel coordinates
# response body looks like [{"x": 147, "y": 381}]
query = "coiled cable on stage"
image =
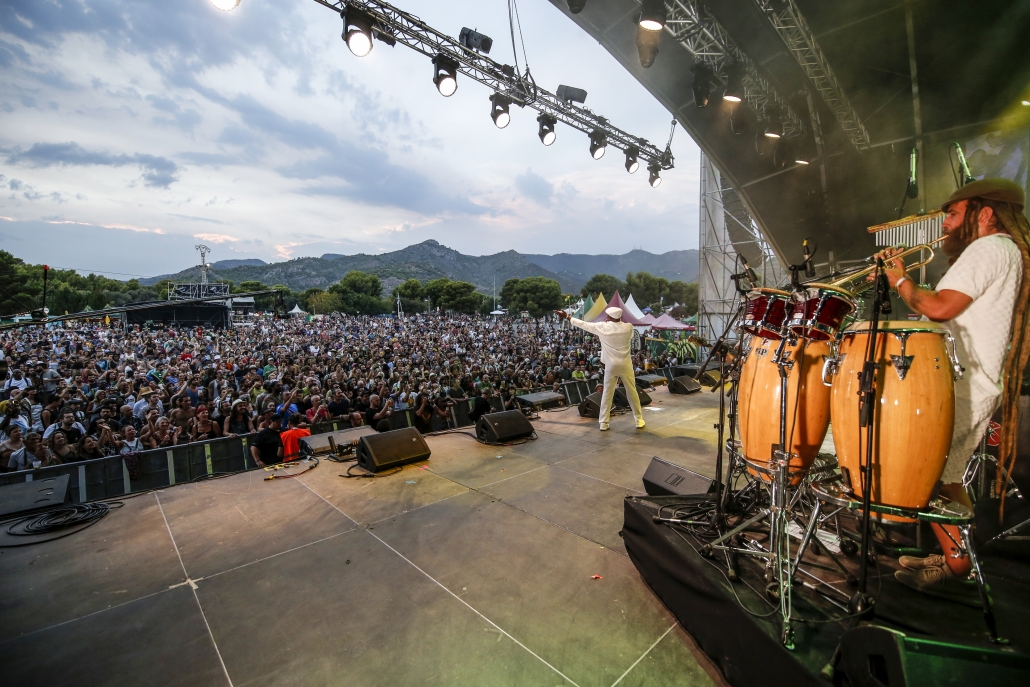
[{"x": 65, "y": 520}]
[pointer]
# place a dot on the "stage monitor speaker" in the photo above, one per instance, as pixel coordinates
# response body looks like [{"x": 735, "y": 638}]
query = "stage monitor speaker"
[
  {"x": 591, "y": 405},
  {"x": 708, "y": 378},
  {"x": 392, "y": 449},
  {"x": 25, "y": 497},
  {"x": 662, "y": 478},
  {"x": 319, "y": 444},
  {"x": 622, "y": 402},
  {"x": 541, "y": 400},
  {"x": 684, "y": 385},
  {"x": 874, "y": 656},
  {"x": 498, "y": 428}
]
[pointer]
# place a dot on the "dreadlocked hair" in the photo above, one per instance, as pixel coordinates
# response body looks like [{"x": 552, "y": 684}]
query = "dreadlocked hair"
[{"x": 1010, "y": 219}]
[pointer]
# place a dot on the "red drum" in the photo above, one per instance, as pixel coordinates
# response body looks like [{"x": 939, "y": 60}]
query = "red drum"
[
  {"x": 819, "y": 312},
  {"x": 766, "y": 309}
]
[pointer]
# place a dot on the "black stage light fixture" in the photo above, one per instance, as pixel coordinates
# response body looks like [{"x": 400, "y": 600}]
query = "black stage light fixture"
[
  {"x": 782, "y": 152},
  {"x": 445, "y": 75},
  {"x": 734, "y": 84},
  {"x": 647, "y": 45},
  {"x": 598, "y": 143},
  {"x": 654, "y": 179},
  {"x": 546, "y": 132},
  {"x": 763, "y": 144},
  {"x": 774, "y": 124},
  {"x": 632, "y": 163},
  {"x": 652, "y": 15},
  {"x": 571, "y": 94},
  {"x": 576, "y": 6},
  {"x": 473, "y": 40},
  {"x": 357, "y": 31},
  {"x": 740, "y": 119},
  {"x": 702, "y": 86},
  {"x": 499, "y": 110},
  {"x": 804, "y": 150}
]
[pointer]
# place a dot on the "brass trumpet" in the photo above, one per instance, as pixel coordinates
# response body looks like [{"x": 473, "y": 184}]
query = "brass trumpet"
[{"x": 855, "y": 283}]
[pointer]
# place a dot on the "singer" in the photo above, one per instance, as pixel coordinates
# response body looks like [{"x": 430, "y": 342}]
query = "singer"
[{"x": 985, "y": 300}]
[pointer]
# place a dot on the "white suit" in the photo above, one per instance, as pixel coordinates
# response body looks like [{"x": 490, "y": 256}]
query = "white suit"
[{"x": 615, "y": 340}]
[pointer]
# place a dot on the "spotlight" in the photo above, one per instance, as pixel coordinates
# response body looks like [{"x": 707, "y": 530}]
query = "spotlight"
[
  {"x": 702, "y": 86},
  {"x": 499, "y": 110},
  {"x": 1026, "y": 103},
  {"x": 652, "y": 15},
  {"x": 357, "y": 31},
  {"x": 445, "y": 75},
  {"x": 473, "y": 40},
  {"x": 647, "y": 45},
  {"x": 632, "y": 164},
  {"x": 598, "y": 143},
  {"x": 226, "y": 5},
  {"x": 655, "y": 180},
  {"x": 804, "y": 150},
  {"x": 739, "y": 119},
  {"x": 734, "y": 84},
  {"x": 546, "y": 132},
  {"x": 763, "y": 144},
  {"x": 576, "y": 6},
  {"x": 774, "y": 125},
  {"x": 571, "y": 94}
]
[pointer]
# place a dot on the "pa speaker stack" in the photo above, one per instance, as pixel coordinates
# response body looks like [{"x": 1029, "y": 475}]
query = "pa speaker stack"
[
  {"x": 499, "y": 428},
  {"x": 591, "y": 405},
  {"x": 541, "y": 400},
  {"x": 387, "y": 450},
  {"x": 684, "y": 385}
]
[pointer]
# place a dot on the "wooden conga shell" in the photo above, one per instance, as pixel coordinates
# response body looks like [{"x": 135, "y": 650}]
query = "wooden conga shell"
[
  {"x": 914, "y": 418},
  {"x": 758, "y": 405}
]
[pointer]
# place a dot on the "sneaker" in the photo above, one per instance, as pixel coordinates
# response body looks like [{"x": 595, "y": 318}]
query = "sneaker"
[
  {"x": 640, "y": 423},
  {"x": 604, "y": 426},
  {"x": 941, "y": 583},
  {"x": 914, "y": 563}
]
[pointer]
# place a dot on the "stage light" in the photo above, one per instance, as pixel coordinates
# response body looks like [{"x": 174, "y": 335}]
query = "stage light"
[
  {"x": 655, "y": 180},
  {"x": 226, "y": 5},
  {"x": 647, "y": 46},
  {"x": 445, "y": 75},
  {"x": 739, "y": 119},
  {"x": 546, "y": 132},
  {"x": 473, "y": 40},
  {"x": 734, "y": 84},
  {"x": 499, "y": 110},
  {"x": 598, "y": 143},
  {"x": 576, "y": 6},
  {"x": 571, "y": 94},
  {"x": 774, "y": 125},
  {"x": 632, "y": 163},
  {"x": 357, "y": 31},
  {"x": 1026, "y": 103},
  {"x": 804, "y": 149},
  {"x": 652, "y": 15},
  {"x": 702, "y": 86}
]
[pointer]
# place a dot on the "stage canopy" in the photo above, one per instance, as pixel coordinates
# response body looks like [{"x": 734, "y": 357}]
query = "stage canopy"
[
  {"x": 627, "y": 315},
  {"x": 668, "y": 322},
  {"x": 597, "y": 308},
  {"x": 631, "y": 305}
]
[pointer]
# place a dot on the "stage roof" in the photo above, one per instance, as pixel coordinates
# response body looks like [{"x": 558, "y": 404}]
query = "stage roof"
[{"x": 973, "y": 69}]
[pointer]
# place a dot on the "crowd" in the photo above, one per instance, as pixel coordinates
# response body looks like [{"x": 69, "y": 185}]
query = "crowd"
[{"x": 94, "y": 390}]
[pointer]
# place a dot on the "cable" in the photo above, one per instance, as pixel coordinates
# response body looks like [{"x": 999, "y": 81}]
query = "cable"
[
  {"x": 370, "y": 475},
  {"x": 292, "y": 474},
  {"x": 79, "y": 516}
]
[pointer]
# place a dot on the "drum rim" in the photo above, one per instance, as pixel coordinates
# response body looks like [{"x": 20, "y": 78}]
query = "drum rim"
[
  {"x": 766, "y": 289},
  {"x": 829, "y": 287},
  {"x": 862, "y": 327}
]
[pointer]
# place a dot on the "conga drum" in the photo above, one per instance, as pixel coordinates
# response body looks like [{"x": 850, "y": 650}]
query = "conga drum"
[
  {"x": 820, "y": 311},
  {"x": 914, "y": 416},
  {"x": 764, "y": 312},
  {"x": 808, "y": 402}
]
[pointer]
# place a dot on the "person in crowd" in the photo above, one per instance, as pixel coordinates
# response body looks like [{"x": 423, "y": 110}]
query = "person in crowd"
[
  {"x": 13, "y": 442},
  {"x": 31, "y": 455},
  {"x": 238, "y": 422},
  {"x": 292, "y": 435},
  {"x": 60, "y": 449},
  {"x": 267, "y": 448},
  {"x": 481, "y": 405}
]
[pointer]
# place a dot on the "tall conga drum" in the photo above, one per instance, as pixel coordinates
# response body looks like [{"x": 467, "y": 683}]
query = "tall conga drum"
[
  {"x": 808, "y": 402},
  {"x": 915, "y": 412}
]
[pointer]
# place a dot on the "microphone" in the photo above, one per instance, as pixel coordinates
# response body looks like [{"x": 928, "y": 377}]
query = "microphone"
[
  {"x": 748, "y": 272},
  {"x": 913, "y": 185},
  {"x": 963, "y": 165},
  {"x": 809, "y": 267}
]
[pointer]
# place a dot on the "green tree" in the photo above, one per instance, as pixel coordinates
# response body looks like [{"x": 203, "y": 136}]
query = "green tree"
[
  {"x": 602, "y": 283},
  {"x": 324, "y": 302},
  {"x": 434, "y": 290},
  {"x": 685, "y": 294},
  {"x": 460, "y": 296},
  {"x": 507, "y": 291},
  {"x": 412, "y": 295},
  {"x": 363, "y": 283},
  {"x": 647, "y": 289},
  {"x": 538, "y": 295}
]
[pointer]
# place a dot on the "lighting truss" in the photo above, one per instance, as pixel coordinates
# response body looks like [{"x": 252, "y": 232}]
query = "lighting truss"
[
  {"x": 409, "y": 30},
  {"x": 787, "y": 20},
  {"x": 694, "y": 27}
]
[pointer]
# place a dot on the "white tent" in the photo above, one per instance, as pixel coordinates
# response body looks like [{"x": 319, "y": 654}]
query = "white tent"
[
  {"x": 632, "y": 307},
  {"x": 297, "y": 311}
]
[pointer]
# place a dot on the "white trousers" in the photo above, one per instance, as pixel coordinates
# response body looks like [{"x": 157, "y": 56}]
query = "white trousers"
[
  {"x": 612, "y": 375},
  {"x": 973, "y": 411}
]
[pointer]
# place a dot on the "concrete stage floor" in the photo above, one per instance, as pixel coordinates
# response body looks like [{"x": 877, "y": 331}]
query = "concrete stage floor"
[{"x": 473, "y": 568}]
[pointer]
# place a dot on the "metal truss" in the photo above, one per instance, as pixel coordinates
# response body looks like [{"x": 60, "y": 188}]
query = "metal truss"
[
  {"x": 189, "y": 291},
  {"x": 694, "y": 27},
  {"x": 394, "y": 25},
  {"x": 786, "y": 18}
]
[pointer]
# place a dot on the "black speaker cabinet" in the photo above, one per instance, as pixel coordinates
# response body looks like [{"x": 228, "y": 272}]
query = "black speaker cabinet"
[
  {"x": 498, "y": 428},
  {"x": 391, "y": 449},
  {"x": 684, "y": 385},
  {"x": 591, "y": 405},
  {"x": 319, "y": 444},
  {"x": 709, "y": 377},
  {"x": 662, "y": 478},
  {"x": 622, "y": 402}
]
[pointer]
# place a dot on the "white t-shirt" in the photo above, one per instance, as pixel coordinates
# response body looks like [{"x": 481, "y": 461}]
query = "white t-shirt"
[
  {"x": 989, "y": 271},
  {"x": 614, "y": 336}
]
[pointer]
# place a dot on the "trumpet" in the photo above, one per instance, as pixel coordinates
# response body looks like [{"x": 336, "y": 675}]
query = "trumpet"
[{"x": 855, "y": 283}]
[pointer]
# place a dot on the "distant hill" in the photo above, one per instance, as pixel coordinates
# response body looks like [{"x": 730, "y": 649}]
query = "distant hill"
[{"x": 431, "y": 260}]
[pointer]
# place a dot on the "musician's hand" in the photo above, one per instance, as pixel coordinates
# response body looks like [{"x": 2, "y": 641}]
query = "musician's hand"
[
  {"x": 562, "y": 315},
  {"x": 893, "y": 268}
]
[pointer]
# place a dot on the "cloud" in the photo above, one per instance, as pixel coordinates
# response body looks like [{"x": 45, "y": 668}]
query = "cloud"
[
  {"x": 535, "y": 187},
  {"x": 159, "y": 172},
  {"x": 216, "y": 238}
]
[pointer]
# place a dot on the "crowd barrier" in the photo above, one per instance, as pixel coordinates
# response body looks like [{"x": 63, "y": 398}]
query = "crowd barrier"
[{"x": 113, "y": 476}]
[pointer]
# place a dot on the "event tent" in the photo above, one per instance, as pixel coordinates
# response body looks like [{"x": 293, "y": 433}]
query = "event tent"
[
  {"x": 632, "y": 306},
  {"x": 584, "y": 306},
  {"x": 627, "y": 315},
  {"x": 596, "y": 309},
  {"x": 668, "y": 322}
]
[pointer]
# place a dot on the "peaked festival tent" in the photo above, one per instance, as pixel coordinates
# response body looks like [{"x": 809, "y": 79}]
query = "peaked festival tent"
[
  {"x": 584, "y": 307},
  {"x": 668, "y": 322},
  {"x": 648, "y": 319},
  {"x": 627, "y": 315},
  {"x": 632, "y": 306},
  {"x": 596, "y": 309}
]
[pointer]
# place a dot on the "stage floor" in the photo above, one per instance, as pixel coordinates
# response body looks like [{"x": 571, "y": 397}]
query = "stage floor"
[{"x": 474, "y": 568}]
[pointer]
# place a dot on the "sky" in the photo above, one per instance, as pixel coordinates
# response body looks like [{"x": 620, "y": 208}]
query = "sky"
[{"x": 132, "y": 130}]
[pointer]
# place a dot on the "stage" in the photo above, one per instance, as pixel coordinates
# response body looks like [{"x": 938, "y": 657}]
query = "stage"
[{"x": 476, "y": 567}]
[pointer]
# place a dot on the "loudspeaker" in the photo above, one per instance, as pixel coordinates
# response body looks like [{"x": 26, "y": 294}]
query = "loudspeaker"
[
  {"x": 25, "y": 497},
  {"x": 684, "y": 385},
  {"x": 541, "y": 400},
  {"x": 873, "y": 656},
  {"x": 319, "y": 444},
  {"x": 662, "y": 478},
  {"x": 591, "y": 405},
  {"x": 708, "y": 378},
  {"x": 620, "y": 400},
  {"x": 498, "y": 428},
  {"x": 391, "y": 449}
]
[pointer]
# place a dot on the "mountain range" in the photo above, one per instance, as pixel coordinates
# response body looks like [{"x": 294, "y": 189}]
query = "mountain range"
[{"x": 431, "y": 260}]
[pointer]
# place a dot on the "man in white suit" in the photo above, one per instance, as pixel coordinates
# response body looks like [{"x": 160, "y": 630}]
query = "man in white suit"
[{"x": 615, "y": 336}]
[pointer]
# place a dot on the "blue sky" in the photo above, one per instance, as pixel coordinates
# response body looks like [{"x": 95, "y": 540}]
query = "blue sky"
[{"x": 131, "y": 130}]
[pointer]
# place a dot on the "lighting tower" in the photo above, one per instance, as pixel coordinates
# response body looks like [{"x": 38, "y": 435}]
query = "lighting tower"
[{"x": 204, "y": 250}]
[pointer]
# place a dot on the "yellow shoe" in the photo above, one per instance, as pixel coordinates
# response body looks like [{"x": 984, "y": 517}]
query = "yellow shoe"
[
  {"x": 640, "y": 423},
  {"x": 604, "y": 426}
]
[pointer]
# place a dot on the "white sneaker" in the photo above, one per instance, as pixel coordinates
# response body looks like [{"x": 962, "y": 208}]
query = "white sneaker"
[
  {"x": 604, "y": 426},
  {"x": 640, "y": 423}
]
